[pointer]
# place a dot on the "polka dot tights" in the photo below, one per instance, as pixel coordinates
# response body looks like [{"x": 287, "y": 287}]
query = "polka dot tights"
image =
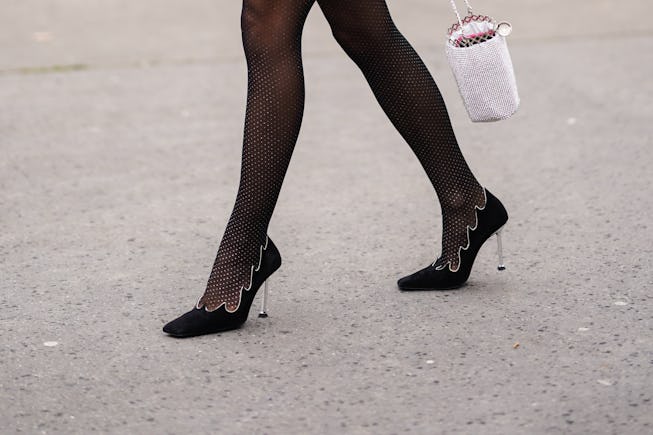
[{"x": 403, "y": 87}]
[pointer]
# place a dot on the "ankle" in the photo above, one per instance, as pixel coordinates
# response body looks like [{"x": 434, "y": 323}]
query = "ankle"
[{"x": 456, "y": 201}]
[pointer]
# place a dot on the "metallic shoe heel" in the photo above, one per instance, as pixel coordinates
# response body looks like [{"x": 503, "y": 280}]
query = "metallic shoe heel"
[
  {"x": 264, "y": 300},
  {"x": 500, "y": 250}
]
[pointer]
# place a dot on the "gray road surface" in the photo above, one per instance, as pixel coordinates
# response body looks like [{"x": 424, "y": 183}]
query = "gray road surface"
[{"x": 120, "y": 133}]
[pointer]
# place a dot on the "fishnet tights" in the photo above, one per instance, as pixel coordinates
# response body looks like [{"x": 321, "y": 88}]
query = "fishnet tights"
[{"x": 400, "y": 82}]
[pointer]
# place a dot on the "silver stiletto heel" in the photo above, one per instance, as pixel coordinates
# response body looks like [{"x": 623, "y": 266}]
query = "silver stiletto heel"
[
  {"x": 264, "y": 300},
  {"x": 500, "y": 250}
]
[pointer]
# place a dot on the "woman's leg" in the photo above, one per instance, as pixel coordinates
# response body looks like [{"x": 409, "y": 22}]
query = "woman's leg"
[
  {"x": 271, "y": 33},
  {"x": 410, "y": 98}
]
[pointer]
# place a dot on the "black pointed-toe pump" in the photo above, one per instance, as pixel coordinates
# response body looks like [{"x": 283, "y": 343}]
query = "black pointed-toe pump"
[
  {"x": 200, "y": 321},
  {"x": 489, "y": 221}
]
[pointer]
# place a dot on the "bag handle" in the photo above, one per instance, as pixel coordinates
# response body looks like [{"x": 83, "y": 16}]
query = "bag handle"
[{"x": 455, "y": 9}]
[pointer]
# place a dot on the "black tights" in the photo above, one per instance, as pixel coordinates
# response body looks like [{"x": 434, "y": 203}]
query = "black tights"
[{"x": 275, "y": 103}]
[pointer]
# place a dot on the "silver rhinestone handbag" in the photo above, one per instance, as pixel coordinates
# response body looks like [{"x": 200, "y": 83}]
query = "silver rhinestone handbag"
[{"x": 478, "y": 55}]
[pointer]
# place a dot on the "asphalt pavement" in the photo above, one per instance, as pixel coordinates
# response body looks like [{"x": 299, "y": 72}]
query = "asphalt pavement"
[{"x": 120, "y": 135}]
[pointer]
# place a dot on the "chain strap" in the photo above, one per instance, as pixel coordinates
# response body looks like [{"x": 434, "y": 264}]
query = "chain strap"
[{"x": 455, "y": 9}]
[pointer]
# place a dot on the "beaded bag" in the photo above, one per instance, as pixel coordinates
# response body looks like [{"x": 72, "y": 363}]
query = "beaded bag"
[{"x": 478, "y": 55}]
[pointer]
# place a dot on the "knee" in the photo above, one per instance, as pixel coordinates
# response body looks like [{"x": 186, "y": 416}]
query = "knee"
[
  {"x": 263, "y": 26},
  {"x": 255, "y": 17}
]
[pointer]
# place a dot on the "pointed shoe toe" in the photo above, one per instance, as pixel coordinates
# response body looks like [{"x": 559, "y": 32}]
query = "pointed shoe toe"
[
  {"x": 198, "y": 321},
  {"x": 187, "y": 325},
  {"x": 430, "y": 278}
]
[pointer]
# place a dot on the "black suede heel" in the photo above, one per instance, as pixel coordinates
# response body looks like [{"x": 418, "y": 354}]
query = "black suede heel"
[
  {"x": 490, "y": 221},
  {"x": 199, "y": 321}
]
